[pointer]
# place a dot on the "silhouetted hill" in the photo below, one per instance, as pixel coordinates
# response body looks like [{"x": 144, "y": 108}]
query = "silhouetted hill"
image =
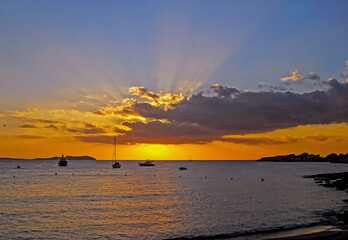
[
  {"x": 305, "y": 157},
  {"x": 55, "y": 158}
]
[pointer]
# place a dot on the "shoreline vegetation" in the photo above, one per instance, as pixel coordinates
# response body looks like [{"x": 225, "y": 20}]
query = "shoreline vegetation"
[
  {"x": 306, "y": 157},
  {"x": 54, "y": 158}
]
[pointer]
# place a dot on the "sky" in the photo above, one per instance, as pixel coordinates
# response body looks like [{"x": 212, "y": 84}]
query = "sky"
[{"x": 209, "y": 80}]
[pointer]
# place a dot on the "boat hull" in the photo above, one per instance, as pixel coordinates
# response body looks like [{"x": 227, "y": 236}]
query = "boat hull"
[
  {"x": 116, "y": 165},
  {"x": 62, "y": 164},
  {"x": 146, "y": 164}
]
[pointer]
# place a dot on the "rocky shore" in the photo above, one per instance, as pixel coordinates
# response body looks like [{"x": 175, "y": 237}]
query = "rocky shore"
[
  {"x": 338, "y": 219},
  {"x": 333, "y": 180}
]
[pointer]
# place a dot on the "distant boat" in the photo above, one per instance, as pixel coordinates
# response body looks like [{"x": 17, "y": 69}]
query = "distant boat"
[
  {"x": 182, "y": 168},
  {"x": 62, "y": 161},
  {"x": 115, "y": 164},
  {"x": 147, "y": 163}
]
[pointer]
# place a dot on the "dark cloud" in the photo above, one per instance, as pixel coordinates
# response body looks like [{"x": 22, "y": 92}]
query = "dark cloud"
[
  {"x": 268, "y": 87},
  {"x": 202, "y": 119},
  {"x": 89, "y": 125},
  {"x": 52, "y": 126},
  {"x": 27, "y": 126},
  {"x": 159, "y": 133},
  {"x": 247, "y": 112},
  {"x": 224, "y": 91},
  {"x": 168, "y": 133},
  {"x": 41, "y": 120},
  {"x": 319, "y": 138},
  {"x": 256, "y": 141},
  {"x": 30, "y": 136},
  {"x": 89, "y": 130}
]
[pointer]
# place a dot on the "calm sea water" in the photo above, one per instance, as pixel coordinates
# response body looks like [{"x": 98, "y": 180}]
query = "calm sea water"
[{"x": 90, "y": 200}]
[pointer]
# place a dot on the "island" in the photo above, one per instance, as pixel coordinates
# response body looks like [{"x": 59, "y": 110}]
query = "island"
[
  {"x": 55, "y": 158},
  {"x": 306, "y": 157}
]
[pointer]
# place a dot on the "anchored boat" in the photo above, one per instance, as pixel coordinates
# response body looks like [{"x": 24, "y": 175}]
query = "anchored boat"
[
  {"x": 115, "y": 164},
  {"x": 62, "y": 161},
  {"x": 147, "y": 163}
]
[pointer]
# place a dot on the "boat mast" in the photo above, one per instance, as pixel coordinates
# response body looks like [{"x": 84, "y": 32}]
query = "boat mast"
[{"x": 114, "y": 153}]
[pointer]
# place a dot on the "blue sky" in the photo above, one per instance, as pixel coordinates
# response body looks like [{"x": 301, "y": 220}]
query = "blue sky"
[
  {"x": 51, "y": 45},
  {"x": 75, "y": 73}
]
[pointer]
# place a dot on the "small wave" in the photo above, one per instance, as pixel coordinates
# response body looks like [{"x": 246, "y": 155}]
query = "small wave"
[{"x": 246, "y": 233}]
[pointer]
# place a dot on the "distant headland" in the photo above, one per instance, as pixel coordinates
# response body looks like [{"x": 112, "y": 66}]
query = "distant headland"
[
  {"x": 54, "y": 158},
  {"x": 305, "y": 157}
]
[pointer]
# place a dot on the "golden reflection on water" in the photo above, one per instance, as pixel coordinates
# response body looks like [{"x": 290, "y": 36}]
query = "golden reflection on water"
[
  {"x": 109, "y": 204},
  {"x": 89, "y": 199}
]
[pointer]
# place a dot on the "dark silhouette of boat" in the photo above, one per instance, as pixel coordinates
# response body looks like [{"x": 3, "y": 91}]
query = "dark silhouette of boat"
[
  {"x": 115, "y": 164},
  {"x": 182, "y": 168},
  {"x": 62, "y": 161},
  {"x": 147, "y": 163}
]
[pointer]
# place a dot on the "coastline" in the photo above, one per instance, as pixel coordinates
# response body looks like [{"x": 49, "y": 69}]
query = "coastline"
[
  {"x": 335, "y": 234},
  {"x": 315, "y": 232},
  {"x": 335, "y": 227},
  {"x": 337, "y": 220}
]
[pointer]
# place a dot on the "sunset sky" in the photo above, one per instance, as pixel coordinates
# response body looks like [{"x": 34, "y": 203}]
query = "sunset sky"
[{"x": 173, "y": 79}]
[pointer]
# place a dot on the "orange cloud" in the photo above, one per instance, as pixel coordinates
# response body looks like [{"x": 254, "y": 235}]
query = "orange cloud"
[{"x": 294, "y": 77}]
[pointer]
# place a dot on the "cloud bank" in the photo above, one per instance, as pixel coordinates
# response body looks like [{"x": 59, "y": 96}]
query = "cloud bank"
[
  {"x": 223, "y": 113},
  {"x": 203, "y": 118}
]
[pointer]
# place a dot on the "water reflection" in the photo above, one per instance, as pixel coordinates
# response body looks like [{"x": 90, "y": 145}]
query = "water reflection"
[{"x": 156, "y": 203}]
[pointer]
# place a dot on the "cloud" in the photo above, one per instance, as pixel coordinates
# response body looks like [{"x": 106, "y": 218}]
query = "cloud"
[
  {"x": 247, "y": 112},
  {"x": 312, "y": 76},
  {"x": 168, "y": 133},
  {"x": 174, "y": 119},
  {"x": 268, "y": 87},
  {"x": 52, "y": 126},
  {"x": 160, "y": 133},
  {"x": 27, "y": 126},
  {"x": 319, "y": 138},
  {"x": 344, "y": 74},
  {"x": 29, "y": 136},
  {"x": 299, "y": 78},
  {"x": 257, "y": 141},
  {"x": 294, "y": 77},
  {"x": 166, "y": 100},
  {"x": 224, "y": 91},
  {"x": 87, "y": 130}
]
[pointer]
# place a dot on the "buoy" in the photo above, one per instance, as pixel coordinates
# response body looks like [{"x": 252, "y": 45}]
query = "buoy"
[
  {"x": 126, "y": 175},
  {"x": 206, "y": 177},
  {"x": 262, "y": 179},
  {"x": 231, "y": 178},
  {"x": 14, "y": 176},
  {"x": 55, "y": 174},
  {"x": 18, "y": 166}
]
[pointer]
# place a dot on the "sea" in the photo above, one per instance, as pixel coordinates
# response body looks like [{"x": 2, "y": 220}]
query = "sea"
[{"x": 211, "y": 199}]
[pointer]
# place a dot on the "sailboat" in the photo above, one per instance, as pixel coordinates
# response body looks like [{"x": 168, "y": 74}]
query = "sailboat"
[{"x": 115, "y": 164}]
